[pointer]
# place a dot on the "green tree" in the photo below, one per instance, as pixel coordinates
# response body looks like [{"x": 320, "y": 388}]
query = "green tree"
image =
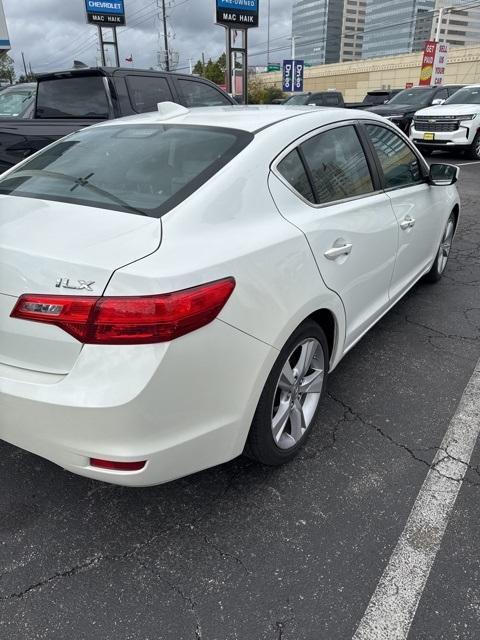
[
  {"x": 259, "y": 93},
  {"x": 214, "y": 72},
  {"x": 7, "y": 70},
  {"x": 198, "y": 68}
]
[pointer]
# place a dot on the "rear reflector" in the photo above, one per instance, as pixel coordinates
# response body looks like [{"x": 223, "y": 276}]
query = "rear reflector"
[
  {"x": 128, "y": 320},
  {"x": 117, "y": 466}
]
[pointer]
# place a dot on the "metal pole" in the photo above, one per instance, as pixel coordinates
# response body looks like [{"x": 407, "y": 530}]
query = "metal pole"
[
  {"x": 268, "y": 34},
  {"x": 245, "y": 69},
  {"x": 293, "y": 51},
  {"x": 228, "y": 60},
  {"x": 102, "y": 48},
  {"x": 439, "y": 24},
  {"x": 117, "y": 58},
  {"x": 165, "y": 37}
]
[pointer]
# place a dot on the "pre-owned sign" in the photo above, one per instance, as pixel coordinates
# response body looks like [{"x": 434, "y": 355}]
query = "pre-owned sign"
[
  {"x": 237, "y": 13},
  {"x": 110, "y": 13}
]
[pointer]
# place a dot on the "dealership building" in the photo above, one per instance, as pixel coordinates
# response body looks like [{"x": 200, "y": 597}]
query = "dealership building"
[{"x": 4, "y": 39}]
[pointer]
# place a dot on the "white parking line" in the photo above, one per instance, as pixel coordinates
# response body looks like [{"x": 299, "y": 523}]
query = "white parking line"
[{"x": 392, "y": 607}]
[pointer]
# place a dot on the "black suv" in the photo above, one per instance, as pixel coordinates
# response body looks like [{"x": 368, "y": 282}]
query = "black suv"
[
  {"x": 400, "y": 108},
  {"x": 70, "y": 100}
]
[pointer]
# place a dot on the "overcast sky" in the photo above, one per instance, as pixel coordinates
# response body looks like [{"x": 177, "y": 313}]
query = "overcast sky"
[{"x": 52, "y": 33}]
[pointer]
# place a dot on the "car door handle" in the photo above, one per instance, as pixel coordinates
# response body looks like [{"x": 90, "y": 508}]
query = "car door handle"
[
  {"x": 407, "y": 223},
  {"x": 336, "y": 252}
]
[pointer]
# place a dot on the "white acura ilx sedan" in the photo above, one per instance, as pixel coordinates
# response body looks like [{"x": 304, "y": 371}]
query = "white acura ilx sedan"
[{"x": 176, "y": 286}]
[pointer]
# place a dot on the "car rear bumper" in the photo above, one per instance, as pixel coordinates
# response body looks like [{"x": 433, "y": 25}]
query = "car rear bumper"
[{"x": 182, "y": 406}]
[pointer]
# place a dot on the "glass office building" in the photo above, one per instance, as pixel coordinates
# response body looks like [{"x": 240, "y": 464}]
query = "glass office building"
[
  {"x": 396, "y": 26},
  {"x": 317, "y": 28}
]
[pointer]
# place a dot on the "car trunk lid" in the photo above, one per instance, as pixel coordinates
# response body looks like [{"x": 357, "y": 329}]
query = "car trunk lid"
[{"x": 57, "y": 248}]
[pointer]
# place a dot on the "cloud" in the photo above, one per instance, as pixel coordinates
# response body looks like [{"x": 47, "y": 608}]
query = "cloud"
[{"x": 53, "y": 33}]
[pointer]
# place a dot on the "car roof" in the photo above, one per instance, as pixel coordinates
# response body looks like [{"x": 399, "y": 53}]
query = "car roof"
[
  {"x": 114, "y": 71},
  {"x": 247, "y": 118}
]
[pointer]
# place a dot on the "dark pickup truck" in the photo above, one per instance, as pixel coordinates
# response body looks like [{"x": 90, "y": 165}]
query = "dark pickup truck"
[
  {"x": 332, "y": 98},
  {"x": 70, "y": 100}
]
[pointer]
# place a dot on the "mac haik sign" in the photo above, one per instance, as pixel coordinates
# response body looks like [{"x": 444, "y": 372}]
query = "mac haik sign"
[
  {"x": 109, "y": 13},
  {"x": 237, "y": 13}
]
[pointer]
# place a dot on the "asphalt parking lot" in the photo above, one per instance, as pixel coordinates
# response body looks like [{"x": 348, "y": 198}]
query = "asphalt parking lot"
[{"x": 242, "y": 552}]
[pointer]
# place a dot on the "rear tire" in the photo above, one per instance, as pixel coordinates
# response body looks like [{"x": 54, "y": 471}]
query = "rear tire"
[
  {"x": 474, "y": 151},
  {"x": 441, "y": 259},
  {"x": 290, "y": 400}
]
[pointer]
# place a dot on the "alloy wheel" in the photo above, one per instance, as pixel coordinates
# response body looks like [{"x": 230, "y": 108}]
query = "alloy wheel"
[
  {"x": 297, "y": 393},
  {"x": 445, "y": 246}
]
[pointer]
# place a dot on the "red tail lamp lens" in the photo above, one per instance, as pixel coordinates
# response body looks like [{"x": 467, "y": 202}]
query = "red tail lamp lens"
[
  {"x": 128, "y": 320},
  {"x": 117, "y": 466}
]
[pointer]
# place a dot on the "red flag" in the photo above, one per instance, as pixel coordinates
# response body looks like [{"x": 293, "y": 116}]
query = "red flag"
[{"x": 130, "y": 59}]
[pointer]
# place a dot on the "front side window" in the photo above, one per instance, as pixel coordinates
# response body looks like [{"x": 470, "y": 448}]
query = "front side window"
[
  {"x": 143, "y": 169},
  {"x": 338, "y": 165},
  {"x": 441, "y": 95},
  {"x": 198, "y": 94},
  {"x": 146, "y": 92},
  {"x": 292, "y": 169},
  {"x": 400, "y": 165}
]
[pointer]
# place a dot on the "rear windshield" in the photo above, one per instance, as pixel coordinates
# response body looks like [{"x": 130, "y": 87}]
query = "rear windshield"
[
  {"x": 143, "y": 169},
  {"x": 468, "y": 95},
  {"x": 82, "y": 97}
]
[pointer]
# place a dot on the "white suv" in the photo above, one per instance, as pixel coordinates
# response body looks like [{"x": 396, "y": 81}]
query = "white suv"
[{"x": 456, "y": 123}]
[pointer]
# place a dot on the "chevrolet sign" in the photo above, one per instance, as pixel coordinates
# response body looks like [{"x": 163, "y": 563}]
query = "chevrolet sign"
[{"x": 109, "y": 13}]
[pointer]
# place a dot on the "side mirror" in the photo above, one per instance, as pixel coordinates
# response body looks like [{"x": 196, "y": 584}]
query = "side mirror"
[
  {"x": 438, "y": 101},
  {"x": 442, "y": 175}
]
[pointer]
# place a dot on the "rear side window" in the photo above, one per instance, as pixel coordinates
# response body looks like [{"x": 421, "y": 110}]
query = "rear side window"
[
  {"x": 146, "y": 92},
  {"x": 198, "y": 94},
  {"x": 338, "y": 165},
  {"x": 143, "y": 169},
  {"x": 82, "y": 97},
  {"x": 400, "y": 165},
  {"x": 331, "y": 100},
  {"x": 292, "y": 169}
]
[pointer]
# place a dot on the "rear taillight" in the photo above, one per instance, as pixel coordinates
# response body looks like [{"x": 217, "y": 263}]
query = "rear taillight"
[{"x": 128, "y": 320}]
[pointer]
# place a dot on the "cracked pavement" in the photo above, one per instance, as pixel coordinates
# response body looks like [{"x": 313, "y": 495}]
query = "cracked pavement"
[{"x": 242, "y": 552}]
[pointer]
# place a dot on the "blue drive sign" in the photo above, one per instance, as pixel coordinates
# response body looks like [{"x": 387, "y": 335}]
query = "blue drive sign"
[
  {"x": 109, "y": 13},
  {"x": 293, "y": 75},
  {"x": 237, "y": 13}
]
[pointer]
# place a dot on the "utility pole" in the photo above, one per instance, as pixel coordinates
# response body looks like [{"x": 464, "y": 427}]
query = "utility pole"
[
  {"x": 439, "y": 23},
  {"x": 24, "y": 64},
  {"x": 165, "y": 37},
  {"x": 268, "y": 33}
]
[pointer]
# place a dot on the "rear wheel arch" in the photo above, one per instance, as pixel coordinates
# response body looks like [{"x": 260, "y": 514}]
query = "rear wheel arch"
[
  {"x": 456, "y": 213},
  {"x": 328, "y": 323}
]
